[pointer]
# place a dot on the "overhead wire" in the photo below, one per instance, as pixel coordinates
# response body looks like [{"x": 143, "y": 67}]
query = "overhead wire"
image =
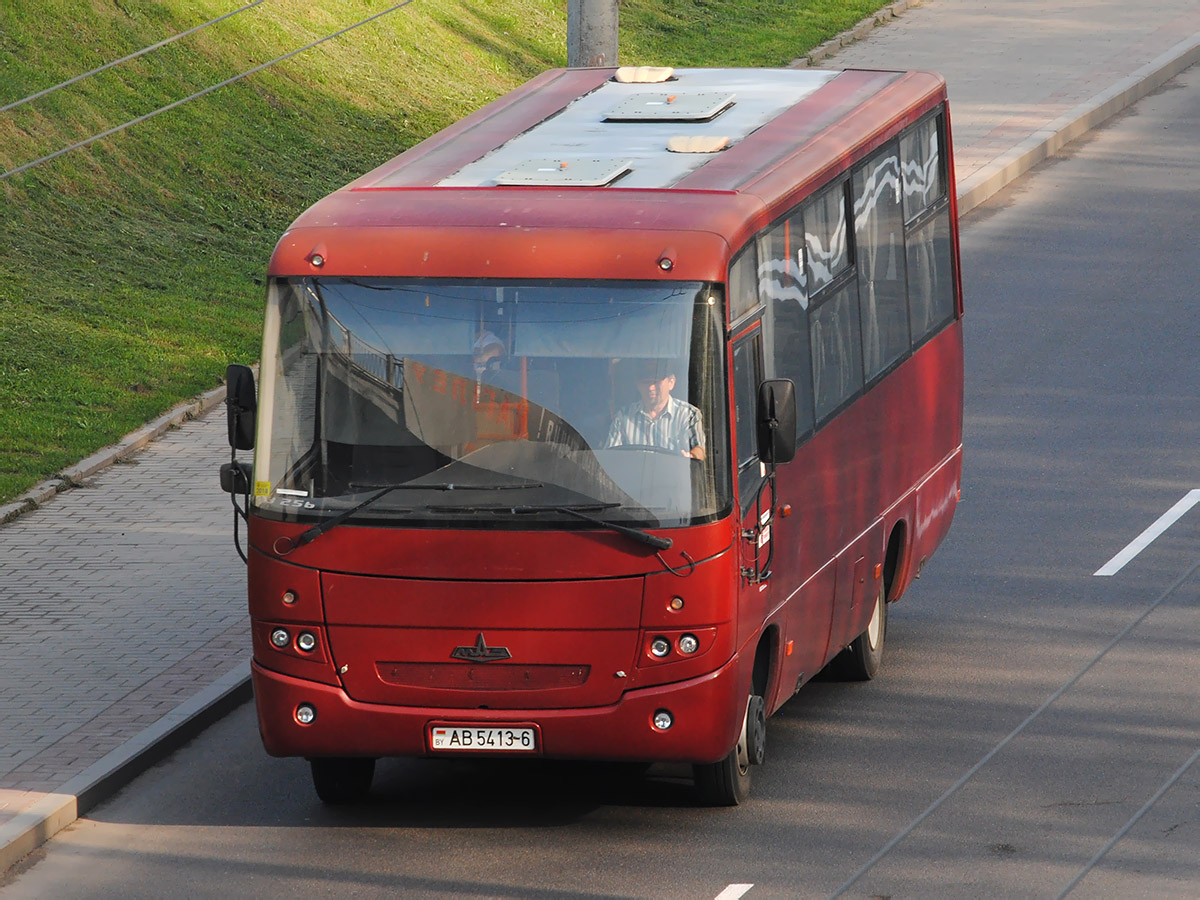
[
  {"x": 200, "y": 93},
  {"x": 1146, "y": 807},
  {"x": 124, "y": 59}
]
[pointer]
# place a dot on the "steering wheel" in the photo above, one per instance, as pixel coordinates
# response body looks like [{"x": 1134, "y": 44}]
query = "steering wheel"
[{"x": 651, "y": 447}]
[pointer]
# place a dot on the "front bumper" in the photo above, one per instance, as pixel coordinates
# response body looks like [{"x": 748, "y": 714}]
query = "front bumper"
[{"x": 707, "y": 713}]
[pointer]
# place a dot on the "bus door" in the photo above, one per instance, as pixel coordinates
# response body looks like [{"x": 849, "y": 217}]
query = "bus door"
[{"x": 755, "y": 490}]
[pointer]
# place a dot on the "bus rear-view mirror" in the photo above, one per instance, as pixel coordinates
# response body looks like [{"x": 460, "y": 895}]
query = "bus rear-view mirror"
[
  {"x": 777, "y": 421},
  {"x": 241, "y": 406}
]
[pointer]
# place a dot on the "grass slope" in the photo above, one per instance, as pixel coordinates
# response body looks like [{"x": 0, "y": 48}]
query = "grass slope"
[{"x": 131, "y": 270}]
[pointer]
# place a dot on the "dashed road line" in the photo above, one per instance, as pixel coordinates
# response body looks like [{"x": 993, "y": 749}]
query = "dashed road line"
[
  {"x": 1147, "y": 537},
  {"x": 734, "y": 891}
]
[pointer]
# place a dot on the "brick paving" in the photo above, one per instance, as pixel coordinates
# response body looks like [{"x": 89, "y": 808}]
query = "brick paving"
[
  {"x": 118, "y": 600},
  {"x": 122, "y": 600}
]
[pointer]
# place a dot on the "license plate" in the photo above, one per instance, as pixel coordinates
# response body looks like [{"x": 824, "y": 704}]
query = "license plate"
[{"x": 482, "y": 739}]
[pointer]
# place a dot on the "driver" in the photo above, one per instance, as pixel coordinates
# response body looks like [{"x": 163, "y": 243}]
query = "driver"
[{"x": 657, "y": 419}]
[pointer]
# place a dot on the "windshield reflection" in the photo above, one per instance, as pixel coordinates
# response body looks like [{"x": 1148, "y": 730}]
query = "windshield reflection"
[{"x": 577, "y": 394}]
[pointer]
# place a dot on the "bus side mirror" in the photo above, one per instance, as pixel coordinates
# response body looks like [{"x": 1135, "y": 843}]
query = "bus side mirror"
[
  {"x": 776, "y": 421},
  {"x": 235, "y": 477},
  {"x": 241, "y": 406}
]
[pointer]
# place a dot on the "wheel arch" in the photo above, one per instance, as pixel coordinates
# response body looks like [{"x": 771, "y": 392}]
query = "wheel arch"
[
  {"x": 895, "y": 561},
  {"x": 764, "y": 673}
]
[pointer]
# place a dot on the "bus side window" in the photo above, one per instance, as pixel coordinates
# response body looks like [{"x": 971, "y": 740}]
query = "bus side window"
[
  {"x": 782, "y": 287},
  {"x": 879, "y": 242},
  {"x": 826, "y": 241},
  {"x": 927, "y": 221},
  {"x": 836, "y": 350},
  {"x": 833, "y": 320},
  {"x": 743, "y": 283}
]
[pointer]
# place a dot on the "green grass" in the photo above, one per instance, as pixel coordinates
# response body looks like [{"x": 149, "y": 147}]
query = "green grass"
[
  {"x": 732, "y": 32},
  {"x": 131, "y": 270}
]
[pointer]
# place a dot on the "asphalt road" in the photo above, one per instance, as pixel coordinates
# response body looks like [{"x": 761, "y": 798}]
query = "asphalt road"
[{"x": 1028, "y": 710}]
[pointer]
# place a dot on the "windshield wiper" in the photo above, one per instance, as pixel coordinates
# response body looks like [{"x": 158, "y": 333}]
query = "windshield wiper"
[
  {"x": 320, "y": 528},
  {"x": 642, "y": 537},
  {"x": 637, "y": 534}
]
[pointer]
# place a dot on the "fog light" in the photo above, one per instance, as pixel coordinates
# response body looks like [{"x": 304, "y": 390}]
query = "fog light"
[
  {"x": 306, "y": 641},
  {"x": 687, "y": 644},
  {"x": 306, "y": 714},
  {"x": 660, "y": 647},
  {"x": 280, "y": 638},
  {"x": 663, "y": 720}
]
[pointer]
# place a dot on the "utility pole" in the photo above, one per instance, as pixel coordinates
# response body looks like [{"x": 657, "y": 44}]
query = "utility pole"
[{"x": 591, "y": 33}]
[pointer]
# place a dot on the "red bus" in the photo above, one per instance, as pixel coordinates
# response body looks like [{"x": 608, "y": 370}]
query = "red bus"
[{"x": 597, "y": 424}]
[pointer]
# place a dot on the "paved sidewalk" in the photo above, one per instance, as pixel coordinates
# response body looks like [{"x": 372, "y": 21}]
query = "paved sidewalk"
[{"x": 123, "y": 625}]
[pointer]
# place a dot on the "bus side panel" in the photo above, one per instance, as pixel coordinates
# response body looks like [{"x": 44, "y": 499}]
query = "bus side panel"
[
  {"x": 806, "y": 630},
  {"x": 856, "y": 588},
  {"x": 937, "y": 499},
  {"x": 867, "y": 461}
]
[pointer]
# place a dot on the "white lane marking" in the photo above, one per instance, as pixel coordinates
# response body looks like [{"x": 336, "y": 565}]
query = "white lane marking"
[
  {"x": 1143, "y": 540},
  {"x": 734, "y": 891}
]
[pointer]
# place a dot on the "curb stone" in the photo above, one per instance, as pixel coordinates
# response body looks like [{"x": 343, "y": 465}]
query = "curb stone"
[{"x": 32, "y": 827}]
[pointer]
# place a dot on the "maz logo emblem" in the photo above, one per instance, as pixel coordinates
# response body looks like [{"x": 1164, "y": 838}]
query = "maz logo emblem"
[{"x": 481, "y": 652}]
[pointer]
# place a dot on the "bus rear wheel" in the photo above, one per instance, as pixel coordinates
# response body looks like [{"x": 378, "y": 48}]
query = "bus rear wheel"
[
  {"x": 727, "y": 782},
  {"x": 341, "y": 780},
  {"x": 862, "y": 659}
]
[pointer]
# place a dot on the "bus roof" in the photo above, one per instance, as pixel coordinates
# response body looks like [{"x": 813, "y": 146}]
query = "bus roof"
[{"x": 585, "y": 150}]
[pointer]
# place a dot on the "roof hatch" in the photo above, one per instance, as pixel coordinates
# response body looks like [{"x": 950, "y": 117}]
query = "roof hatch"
[
  {"x": 562, "y": 172},
  {"x": 663, "y": 107}
]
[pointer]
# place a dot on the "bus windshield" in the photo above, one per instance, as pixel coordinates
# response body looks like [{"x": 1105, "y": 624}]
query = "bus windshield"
[{"x": 495, "y": 404}]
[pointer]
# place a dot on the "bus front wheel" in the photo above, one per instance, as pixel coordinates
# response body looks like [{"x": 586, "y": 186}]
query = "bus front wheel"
[
  {"x": 727, "y": 782},
  {"x": 341, "y": 780}
]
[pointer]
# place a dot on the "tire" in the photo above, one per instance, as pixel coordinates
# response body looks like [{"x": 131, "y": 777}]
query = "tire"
[
  {"x": 861, "y": 660},
  {"x": 727, "y": 782},
  {"x": 342, "y": 780}
]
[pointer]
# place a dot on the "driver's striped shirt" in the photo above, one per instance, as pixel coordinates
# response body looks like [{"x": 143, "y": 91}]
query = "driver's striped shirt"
[{"x": 678, "y": 427}]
